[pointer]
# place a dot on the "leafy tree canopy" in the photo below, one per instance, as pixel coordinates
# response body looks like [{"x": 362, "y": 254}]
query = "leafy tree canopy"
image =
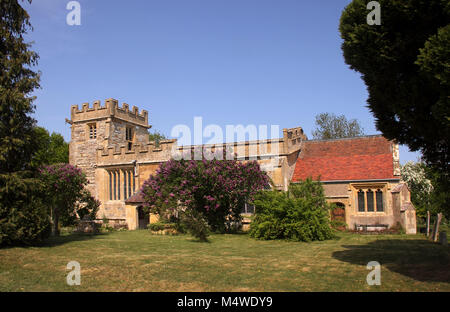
[
  {"x": 67, "y": 197},
  {"x": 52, "y": 149},
  {"x": 405, "y": 64},
  {"x": 414, "y": 174},
  {"x": 156, "y": 137},
  {"x": 330, "y": 126}
]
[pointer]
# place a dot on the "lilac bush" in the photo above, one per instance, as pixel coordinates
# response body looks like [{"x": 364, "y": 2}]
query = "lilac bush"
[
  {"x": 213, "y": 189},
  {"x": 67, "y": 196}
]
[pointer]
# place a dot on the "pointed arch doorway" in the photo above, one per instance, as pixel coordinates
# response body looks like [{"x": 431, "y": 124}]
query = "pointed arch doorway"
[
  {"x": 338, "y": 213},
  {"x": 143, "y": 218}
]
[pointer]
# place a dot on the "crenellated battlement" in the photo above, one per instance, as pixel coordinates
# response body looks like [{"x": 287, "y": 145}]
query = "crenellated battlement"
[
  {"x": 120, "y": 153},
  {"x": 110, "y": 109}
]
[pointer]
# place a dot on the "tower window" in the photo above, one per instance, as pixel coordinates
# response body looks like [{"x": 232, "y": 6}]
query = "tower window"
[
  {"x": 129, "y": 137},
  {"x": 129, "y": 134},
  {"x": 92, "y": 131},
  {"x": 115, "y": 187},
  {"x": 117, "y": 184}
]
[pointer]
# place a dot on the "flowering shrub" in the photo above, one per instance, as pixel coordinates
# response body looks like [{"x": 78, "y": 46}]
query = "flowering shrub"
[
  {"x": 420, "y": 187},
  {"x": 211, "y": 192},
  {"x": 302, "y": 214},
  {"x": 65, "y": 190}
]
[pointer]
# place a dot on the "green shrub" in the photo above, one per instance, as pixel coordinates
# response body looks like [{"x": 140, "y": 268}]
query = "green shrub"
[
  {"x": 299, "y": 215},
  {"x": 158, "y": 226},
  {"x": 162, "y": 225},
  {"x": 24, "y": 216},
  {"x": 105, "y": 227},
  {"x": 196, "y": 224},
  {"x": 338, "y": 225}
]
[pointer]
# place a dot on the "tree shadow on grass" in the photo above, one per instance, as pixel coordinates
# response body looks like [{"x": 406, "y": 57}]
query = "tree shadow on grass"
[
  {"x": 196, "y": 240},
  {"x": 59, "y": 240},
  {"x": 418, "y": 259},
  {"x": 72, "y": 237}
]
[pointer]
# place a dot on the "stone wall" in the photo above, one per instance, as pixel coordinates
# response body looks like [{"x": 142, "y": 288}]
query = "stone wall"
[{"x": 110, "y": 150}]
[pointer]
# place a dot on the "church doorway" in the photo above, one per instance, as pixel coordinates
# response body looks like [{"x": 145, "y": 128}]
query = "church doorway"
[
  {"x": 143, "y": 218},
  {"x": 338, "y": 213}
]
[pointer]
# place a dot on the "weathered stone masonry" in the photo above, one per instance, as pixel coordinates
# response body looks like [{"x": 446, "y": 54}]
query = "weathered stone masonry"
[{"x": 111, "y": 145}]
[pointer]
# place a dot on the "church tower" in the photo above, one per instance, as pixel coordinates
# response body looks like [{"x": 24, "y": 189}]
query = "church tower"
[{"x": 104, "y": 127}]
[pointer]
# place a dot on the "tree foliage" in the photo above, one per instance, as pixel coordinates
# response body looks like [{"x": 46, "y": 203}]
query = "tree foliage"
[
  {"x": 67, "y": 197},
  {"x": 52, "y": 149},
  {"x": 330, "y": 126},
  {"x": 404, "y": 63},
  {"x": 414, "y": 174},
  {"x": 17, "y": 81},
  {"x": 156, "y": 137},
  {"x": 302, "y": 214},
  {"x": 207, "y": 193},
  {"x": 440, "y": 197},
  {"x": 23, "y": 217}
]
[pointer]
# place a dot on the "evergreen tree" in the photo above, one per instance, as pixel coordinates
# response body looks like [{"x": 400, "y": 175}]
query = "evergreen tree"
[
  {"x": 404, "y": 63},
  {"x": 17, "y": 81},
  {"x": 23, "y": 216}
]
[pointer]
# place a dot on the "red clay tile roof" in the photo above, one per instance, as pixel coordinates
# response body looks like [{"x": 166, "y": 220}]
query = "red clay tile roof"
[{"x": 361, "y": 158}]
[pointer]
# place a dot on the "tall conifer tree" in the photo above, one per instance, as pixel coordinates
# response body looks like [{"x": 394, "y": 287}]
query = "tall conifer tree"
[
  {"x": 17, "y": 81},
  {"x": 23, "y": 217}
]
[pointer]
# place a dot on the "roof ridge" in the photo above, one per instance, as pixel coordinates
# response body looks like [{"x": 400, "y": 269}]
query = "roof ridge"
[{"x": 341, "y": 139}]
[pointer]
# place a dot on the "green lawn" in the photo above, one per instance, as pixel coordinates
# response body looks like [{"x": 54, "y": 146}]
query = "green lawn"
[{"x": 139, "y": 261}]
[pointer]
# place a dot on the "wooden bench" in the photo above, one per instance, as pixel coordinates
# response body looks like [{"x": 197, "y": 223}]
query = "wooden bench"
[{"x": 365, "y": 227}]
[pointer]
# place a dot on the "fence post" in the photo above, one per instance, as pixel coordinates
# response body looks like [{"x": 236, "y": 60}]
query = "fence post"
[{"x": 436, "y": 227}]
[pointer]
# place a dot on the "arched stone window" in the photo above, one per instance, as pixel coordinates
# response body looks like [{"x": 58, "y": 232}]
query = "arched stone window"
[
  {"x": 361, "y": 201},
  {"x": 121, "y": 181},
  {"x": 110, "y": 183},
  {"x": 370, "y": 198},
  {"x": 370, "y": 206},
  {"x": 115, "y": 185},
  {"x": 379, "y": 199}
]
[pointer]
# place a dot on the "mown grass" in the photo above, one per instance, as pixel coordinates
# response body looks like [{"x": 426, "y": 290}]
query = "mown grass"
[{"x": 139, "y": 261}]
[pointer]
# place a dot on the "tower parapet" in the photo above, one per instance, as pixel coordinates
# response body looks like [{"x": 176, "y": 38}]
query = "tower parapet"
[{"x": 111, "y": 109}]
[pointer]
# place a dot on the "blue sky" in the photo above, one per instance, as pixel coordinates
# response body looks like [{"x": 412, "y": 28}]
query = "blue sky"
[{"x": 272, "y": 62}]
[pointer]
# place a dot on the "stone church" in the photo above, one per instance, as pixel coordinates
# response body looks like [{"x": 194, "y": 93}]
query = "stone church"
[{"x": 361, "y": 175}]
